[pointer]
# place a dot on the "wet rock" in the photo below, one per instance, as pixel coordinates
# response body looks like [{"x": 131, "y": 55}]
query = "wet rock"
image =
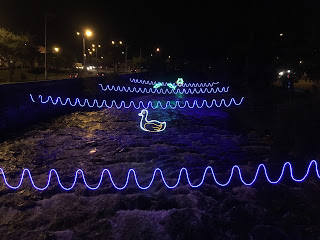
[
  {"x": 188, "y": 224},
  {"x": 139, "y": 224}
]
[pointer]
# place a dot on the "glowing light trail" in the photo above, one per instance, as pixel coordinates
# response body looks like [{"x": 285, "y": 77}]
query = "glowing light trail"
[
  {"x": 163, "y": 91},
  {"x": 133, "y": 80},
  {"x": 183, "y": 171},
  {"x": 139, "y": 105}
]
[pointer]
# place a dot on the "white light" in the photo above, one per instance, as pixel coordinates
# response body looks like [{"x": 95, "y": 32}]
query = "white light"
[
  {"x": 150, "y": 126},
  {"x": 288, "y": 71},
  {"x": 90, "y": 67},
  {"x": 280, "y": 73}
]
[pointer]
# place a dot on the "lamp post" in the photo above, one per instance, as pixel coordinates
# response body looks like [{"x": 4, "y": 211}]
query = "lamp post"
[
  {"x": 87, "y": 33},
  {"x": 126, "y": 56},
  {"x": 95, "y": 49}
]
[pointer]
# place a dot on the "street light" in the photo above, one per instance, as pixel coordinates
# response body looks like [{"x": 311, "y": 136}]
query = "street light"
[
  {"x": 126, "y": 56},
  {"x": 158, "y": 49},
  {"x": 56, "y": 49},
  {"x": 87, "y": 33},
  {"x": 95, "y": 49}
]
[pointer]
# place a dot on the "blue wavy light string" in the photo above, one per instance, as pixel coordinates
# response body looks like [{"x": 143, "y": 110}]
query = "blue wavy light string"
[
  {"x": 131, "y": 171},
  {"x": 133, "y": 80},
  {"x": 140, "y": 105},
  {"x": 163, "y": 91}
]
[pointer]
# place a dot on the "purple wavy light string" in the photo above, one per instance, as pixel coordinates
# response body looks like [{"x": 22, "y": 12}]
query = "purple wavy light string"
[
  {"x": 122, "y": 104},
  {"x": 131, "y": 171}
]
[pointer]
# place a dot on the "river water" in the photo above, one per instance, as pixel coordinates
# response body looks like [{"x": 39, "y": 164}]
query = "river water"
[{"x": 112, "y": 138}]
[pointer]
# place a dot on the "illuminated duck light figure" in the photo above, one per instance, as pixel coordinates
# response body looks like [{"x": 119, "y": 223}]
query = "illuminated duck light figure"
[
  {"x": 180, "y": 82},
  {"x": 150, "y": 126}
]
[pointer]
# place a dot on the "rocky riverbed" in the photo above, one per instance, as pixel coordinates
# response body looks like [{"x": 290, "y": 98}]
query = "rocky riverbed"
[{"x": 194, "y": 139}]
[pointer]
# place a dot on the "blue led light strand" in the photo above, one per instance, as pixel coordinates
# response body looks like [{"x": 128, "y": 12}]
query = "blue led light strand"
[
  {"x": 139, "y": 105},
  {"x": 163, "y": 91},
  {"x": 133, "y": 80},
  {"x": 182, "y": 171}
]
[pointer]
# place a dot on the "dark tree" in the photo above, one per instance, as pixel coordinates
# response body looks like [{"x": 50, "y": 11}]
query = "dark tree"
[{"x": 12, "y": 47}]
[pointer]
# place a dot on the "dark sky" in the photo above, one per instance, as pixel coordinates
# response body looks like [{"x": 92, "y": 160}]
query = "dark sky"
[{"x": 179, "y": 28}]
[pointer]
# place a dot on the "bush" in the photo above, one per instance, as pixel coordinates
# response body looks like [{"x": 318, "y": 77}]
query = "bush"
[{"x": 23, "y": 76}]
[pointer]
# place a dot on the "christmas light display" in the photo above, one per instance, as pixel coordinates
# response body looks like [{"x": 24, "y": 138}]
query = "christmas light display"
[
  {"x": 158, "y": 90},
  {"x": 139, "y": 105},
  {"x": 152, "y": 125},
  {"x": 180, "y": 82},
  {"x": 133, "y": 80},
  {"x": 183, "y": 172},
  {"x": 157, "y": 85},
  {"x": 170, "y": 85}
]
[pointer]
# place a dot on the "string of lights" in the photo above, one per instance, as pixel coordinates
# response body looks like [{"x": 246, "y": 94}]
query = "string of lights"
[
  {"x": 183, "y": 171},
  {"x": 133, "y": 80},
  {"x": 139, "y": 105},
  {"x": 163, "y": 91}
]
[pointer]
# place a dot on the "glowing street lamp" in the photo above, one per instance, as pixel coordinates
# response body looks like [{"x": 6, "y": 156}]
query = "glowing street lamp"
[
  {"x": 112, "y": 42},
  {"x": 56, "y": 49},
  {"x": 158, "y": 49},
  {"x": 95, "y": 49},
  {"x": 87, "y": 33}
]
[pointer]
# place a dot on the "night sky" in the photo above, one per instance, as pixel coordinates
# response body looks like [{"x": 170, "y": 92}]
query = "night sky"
[{"x": 190, "y": 30}]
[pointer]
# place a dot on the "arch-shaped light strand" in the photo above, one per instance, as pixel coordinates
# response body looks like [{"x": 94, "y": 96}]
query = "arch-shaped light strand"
[
  {"x": 139, "y": 105},
  {"x": 183, "y": 171},
  {"x": 133, "y": 80},
  {"x": 163, "y": 91}
]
